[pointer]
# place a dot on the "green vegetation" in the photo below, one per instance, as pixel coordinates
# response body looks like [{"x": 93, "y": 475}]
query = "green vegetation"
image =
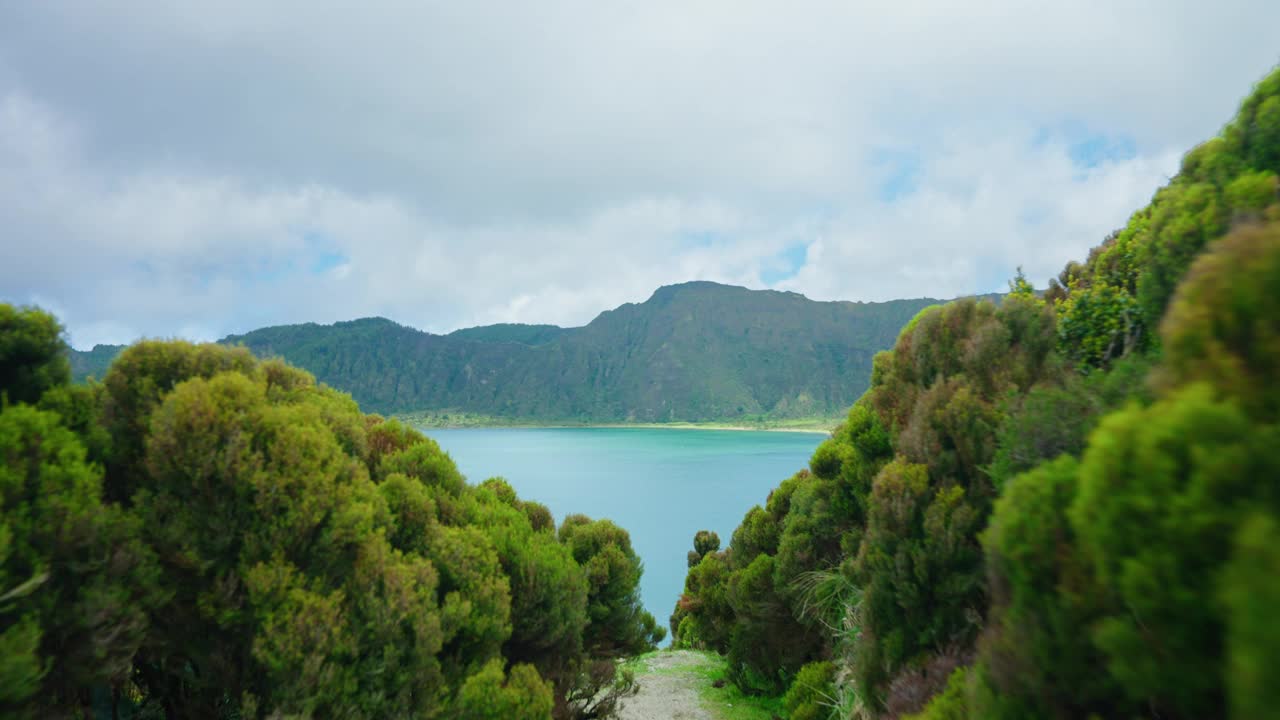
[
  {"x": 697, "y": 352},
  {"x": 1062, "y": 506},
  {"x": 207, "y": 535},
  {"x": 512, "y": 333},
  {"x": 811, "y": 695},
  {"x": 1059, "y": 506},
  {"x": 93, "y": 363}
]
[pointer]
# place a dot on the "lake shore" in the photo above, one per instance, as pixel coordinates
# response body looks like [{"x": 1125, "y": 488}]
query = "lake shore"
[
  {"x": 821, "y": 429},
  {"x": 458, "y": 421}
]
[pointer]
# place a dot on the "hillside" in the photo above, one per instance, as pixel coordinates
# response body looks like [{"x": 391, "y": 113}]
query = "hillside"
[
  {"x": 93, "y": 363},
  {"x": 697, "y": 351},
  {"x": 1064, "y": 506},
  {"x": 510, "y": 332}
]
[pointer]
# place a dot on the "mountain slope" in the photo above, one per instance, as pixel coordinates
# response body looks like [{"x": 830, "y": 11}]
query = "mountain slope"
[
  {"x": 697, "y": 351},
  {"x": 93, "y": 363},
  {"x": 510, "y": 332}
]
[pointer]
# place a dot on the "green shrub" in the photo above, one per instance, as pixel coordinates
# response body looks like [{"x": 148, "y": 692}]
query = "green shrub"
[
  {"x": 33, "y": 355},
  {"x": 811, "y": 695}
]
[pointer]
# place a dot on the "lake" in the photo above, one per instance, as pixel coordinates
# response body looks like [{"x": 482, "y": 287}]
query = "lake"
[{"x": 661, "y": 485}]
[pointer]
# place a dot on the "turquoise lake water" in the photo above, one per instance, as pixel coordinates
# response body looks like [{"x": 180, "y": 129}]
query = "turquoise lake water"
[{"x": 661, "y": 485}]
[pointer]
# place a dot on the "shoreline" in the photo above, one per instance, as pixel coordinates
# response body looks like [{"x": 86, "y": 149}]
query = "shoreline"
[
  {"x": 675, "y": 426},
  {"x": 435, "y": 423}
]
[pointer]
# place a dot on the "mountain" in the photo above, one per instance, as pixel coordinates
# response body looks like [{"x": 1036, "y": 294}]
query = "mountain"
[
  {"x": 697, "y": 351},
  {"x": 511, "y": 332},
  {"x": 93, "y": 363}
]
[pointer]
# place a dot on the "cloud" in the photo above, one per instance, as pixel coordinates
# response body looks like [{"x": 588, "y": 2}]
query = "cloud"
[{"x": 170, "y": 169}]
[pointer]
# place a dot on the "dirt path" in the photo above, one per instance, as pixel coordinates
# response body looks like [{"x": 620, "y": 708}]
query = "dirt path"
[{"x": 666, "y": 693}]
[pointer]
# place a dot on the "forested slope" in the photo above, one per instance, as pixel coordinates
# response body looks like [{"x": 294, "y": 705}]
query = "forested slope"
[
  {"x": 698, "y": 351},
  {"x": 693, "y": 352},
  {"x": 1065, "y": 506}
]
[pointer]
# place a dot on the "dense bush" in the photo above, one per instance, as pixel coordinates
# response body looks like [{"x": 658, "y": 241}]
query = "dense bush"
[
  {"x": 1041, "y": 508},
  {"x": 33, "y": 359},
  {"x": 811, "y": 696},
  {"x": 209, "y": 536},
  {"x": 1133, "y": 541}
]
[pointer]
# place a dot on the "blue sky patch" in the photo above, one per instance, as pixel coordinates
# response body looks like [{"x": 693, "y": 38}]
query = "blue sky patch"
[
  {"x": 785, "y": 264},
  {"x": 1093, "y": 151},
  {"x": 326, "y": 261},
  {"x": 322, "y": 253},
  {"x": 900, "y": 172},
  {"x": 1088, "y": 147}
]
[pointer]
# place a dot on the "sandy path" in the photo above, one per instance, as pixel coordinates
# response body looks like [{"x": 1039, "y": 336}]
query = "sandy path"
[{"x": 664, "y": 694}]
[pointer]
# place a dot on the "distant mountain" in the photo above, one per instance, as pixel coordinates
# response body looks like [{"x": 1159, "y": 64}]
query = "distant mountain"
[
  {"x": 698, "y": 351},
  {"x": 93, "y": 363},
  {"x": 511, "y": 332}
]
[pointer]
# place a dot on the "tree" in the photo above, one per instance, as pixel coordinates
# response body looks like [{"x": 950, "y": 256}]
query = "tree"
[
  {"x": 1034, "y": 657},
  {"x": 33, "y": 355},
  {"x": 617, "y": 624},
  {"x": 1221, "y": 327},
  {"x": 75, "y": 582}
]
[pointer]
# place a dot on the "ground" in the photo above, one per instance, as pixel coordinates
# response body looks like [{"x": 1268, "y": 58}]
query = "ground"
[{"x": 680, "y": 685}]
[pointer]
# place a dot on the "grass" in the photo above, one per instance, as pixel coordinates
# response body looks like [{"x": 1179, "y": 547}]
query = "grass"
[{"x": 726, "y": 702}]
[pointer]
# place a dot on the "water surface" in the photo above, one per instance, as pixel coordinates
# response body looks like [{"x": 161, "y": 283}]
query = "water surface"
[{"x": 661, "y": 485}]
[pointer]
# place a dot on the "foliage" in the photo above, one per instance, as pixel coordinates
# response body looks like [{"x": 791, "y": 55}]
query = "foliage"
[
  {"x": 488, "y": 696},
  {"x": 1221, "y": 324},
  {"x": 736, "y": 602},
  {"x": 1112, "y": 305},
  {"x": 1198, "y": 455},
  {"x": 704, "y": 542},
  {"x": 810, "y": 696},
  {"x": 1124, "y": 481},
  {"x": 1250, "y": 592},
  {"x": 32, "y": 354},
  {"x": 1144, "y": 540},
  {"x": 617, "y": 624},
  {"x": 1034, "y": 663},
  {"x": 75, "y": 583},
  {"x": 207, "y": 535},
  {"x": 943, "y": 392}
]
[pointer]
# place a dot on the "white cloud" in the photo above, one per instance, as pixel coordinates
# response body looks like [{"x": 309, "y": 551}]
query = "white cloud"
[{"x": 171, "y": 169}]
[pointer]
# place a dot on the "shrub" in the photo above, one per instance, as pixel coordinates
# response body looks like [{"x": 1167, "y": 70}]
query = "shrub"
[{"x": 811, "y": 695}]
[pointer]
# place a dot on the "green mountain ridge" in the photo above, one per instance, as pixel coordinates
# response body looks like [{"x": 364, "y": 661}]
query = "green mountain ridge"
[
  {"x": 511, "y": 332},
  {"x": 93, "y": 363},
  {"x": 693, "y": 352}
]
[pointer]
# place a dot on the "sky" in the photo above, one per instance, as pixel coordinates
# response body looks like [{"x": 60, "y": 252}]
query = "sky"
[{"x": 183, "y": 169}]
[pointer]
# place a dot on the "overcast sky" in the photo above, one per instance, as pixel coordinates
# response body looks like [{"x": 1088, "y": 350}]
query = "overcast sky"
[{"x": 196, "y": 169}]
